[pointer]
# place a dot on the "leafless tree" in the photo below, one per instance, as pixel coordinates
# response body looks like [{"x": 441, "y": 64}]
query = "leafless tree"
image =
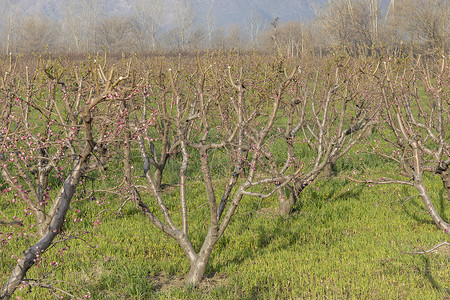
[
  {"x": 73, "y": 134},
  {"x": 293, "y": 39},
  {"x": 79, "y": 22},
  {"x": 184, "y": 21},
  {"x": 113, "y": 34},
  {"x": 35, "y": 33},
  {"x": 73, "y": 26},
  {"x": 418, "y": 125},
  {"x": 197, "y": 39},
  {"x": 196, "y": 108},
  {"x": 423, "y": 21},
  {"x": 234, "y": 37},
  {"x": 9, "y": 13},
  {"x": 325, "y": 110},
  {"x": 416, "y": 114},
  {"x": 353, "y": 23},
  {"x": 255, "y": 28},
  {"x": 154, "y": 126},
  {"x": 210, "y": 23},
  {"x": 219, "y": 38},
  {"x": 148, "y": 16}
]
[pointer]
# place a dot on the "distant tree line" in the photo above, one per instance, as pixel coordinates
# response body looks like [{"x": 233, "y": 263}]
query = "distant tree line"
[{"x": 361, "y": 26}]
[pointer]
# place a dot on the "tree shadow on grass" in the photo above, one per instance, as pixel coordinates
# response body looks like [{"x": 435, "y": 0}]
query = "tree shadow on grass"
[
  {"x": 263, "y": 238},
  {"x": 417, "y": 212},
  {"x": 427, "y": 273},
  {"x": 316, "y": 199},
  {"x": 281, "y": 235},
  {"x": 162, "y": 282}
]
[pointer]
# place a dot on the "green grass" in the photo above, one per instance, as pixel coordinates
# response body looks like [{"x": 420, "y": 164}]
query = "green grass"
[{"x": 342, "y": 242}]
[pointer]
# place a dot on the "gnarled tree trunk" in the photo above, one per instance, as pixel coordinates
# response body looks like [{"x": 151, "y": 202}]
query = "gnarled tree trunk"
[
  {"x": 420, "y": 187},
  {"x": 29, "y": 256},
  {"x": 444, "y": 172}
]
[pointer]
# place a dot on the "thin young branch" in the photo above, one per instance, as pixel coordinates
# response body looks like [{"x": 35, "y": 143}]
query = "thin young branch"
[{"x": 429, "y": 250}]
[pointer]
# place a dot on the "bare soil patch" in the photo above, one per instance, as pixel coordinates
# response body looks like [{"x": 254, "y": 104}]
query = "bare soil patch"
[{"x": 164, "y": 282}]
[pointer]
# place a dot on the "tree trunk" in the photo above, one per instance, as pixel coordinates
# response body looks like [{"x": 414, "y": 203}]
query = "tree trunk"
[
  {"x": 328, "y": 169},
  {"x": 30, "y": 255},
  {"x": 41, "y": 222},
  {"x": 198, "y": 268},
  {"x": 445, "y": 176},
  {"x": 418, "y": 184},
  {"x": 158, "y": 178},
  {"x": 286, "y": 204},
  {"x": 198, "y": 264}
]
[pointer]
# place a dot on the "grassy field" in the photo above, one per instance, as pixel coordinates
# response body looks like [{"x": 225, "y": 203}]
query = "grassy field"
[{"x": 343, "y": 241}]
